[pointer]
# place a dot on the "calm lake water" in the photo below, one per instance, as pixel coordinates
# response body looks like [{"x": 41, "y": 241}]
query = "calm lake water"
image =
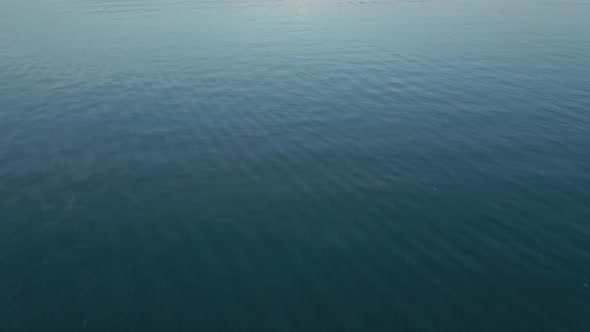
[{"x": 318, "y": 165}]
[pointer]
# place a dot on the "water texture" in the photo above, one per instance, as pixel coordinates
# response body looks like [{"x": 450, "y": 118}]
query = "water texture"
[{"x": 191, "y": 165}]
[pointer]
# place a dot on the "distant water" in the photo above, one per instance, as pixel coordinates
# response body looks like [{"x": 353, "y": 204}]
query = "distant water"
[{"x": 192, "y": 165}]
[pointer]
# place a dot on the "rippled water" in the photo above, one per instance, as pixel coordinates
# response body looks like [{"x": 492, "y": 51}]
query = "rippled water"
[{"x": 290, "y": 165}]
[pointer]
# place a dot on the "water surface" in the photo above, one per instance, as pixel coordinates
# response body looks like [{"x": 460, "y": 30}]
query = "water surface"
[{"x": 191, "y": 165}]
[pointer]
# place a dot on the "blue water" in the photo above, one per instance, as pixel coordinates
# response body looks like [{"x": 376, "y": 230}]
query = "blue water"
[{"x": 317, "y": 165}]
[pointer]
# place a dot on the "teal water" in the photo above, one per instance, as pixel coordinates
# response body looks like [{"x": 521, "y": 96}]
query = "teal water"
[{"x": 192, "y": 165}]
